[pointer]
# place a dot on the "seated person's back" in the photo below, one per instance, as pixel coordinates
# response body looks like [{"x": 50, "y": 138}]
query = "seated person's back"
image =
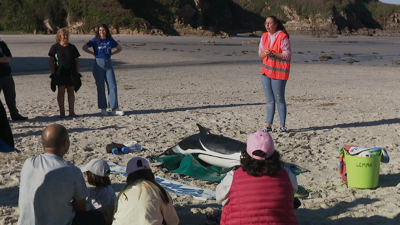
[
  {"x": 53, "y": 191},
  {"x": 48, "y": 184}
]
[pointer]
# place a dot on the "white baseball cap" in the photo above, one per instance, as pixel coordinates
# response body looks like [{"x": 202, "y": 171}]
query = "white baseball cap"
[{"x": 98, "y": 167}]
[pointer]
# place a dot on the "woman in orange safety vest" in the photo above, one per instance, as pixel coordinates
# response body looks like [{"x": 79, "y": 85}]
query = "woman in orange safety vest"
[{"x": 275, "y": 51}]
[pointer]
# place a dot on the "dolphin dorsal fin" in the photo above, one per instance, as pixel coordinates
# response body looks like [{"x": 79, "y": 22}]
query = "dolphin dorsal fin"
[{"x": 202, "y": 129}]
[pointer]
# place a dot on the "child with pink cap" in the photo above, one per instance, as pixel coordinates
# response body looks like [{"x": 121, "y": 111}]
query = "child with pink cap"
[
  {"x": 261, "y": 190},
  {"x": 143, "y": 201}
]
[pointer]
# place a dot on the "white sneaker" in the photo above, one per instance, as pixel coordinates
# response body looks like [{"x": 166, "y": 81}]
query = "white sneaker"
[
  {"x": 104, "y": 112},
  {"x": 117, "y": 112}
]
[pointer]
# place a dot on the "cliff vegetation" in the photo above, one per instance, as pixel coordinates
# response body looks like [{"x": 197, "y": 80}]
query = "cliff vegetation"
[{"x": 200, "y": 17}]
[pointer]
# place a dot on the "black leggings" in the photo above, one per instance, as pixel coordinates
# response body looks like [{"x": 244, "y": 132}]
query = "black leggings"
[
  {"x": 5, "y": 131},
  {"x": 296, "y": 203},
  {"x": 92, "y": 217}
]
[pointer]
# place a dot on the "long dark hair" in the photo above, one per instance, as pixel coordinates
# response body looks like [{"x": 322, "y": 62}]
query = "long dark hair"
[
  {"x": 280, "y": 25},
  {"x": 148, "y": 176},
  {"x": 108, "y": 33},
  {"x": 97, "y": 181},
  {"x": 257, "y": 168}
]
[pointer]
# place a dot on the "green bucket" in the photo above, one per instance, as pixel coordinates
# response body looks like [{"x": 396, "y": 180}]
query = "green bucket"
[{"x": 362, "y": 172}]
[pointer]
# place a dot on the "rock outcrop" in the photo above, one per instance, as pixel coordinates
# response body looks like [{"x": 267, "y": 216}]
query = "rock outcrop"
[{"x": 341, "y": 23}]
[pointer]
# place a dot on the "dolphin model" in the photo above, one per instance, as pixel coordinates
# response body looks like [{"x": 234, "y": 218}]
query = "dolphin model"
[
  {"x": 216, "y": 150},
  {"x": 213, "y": 149}
]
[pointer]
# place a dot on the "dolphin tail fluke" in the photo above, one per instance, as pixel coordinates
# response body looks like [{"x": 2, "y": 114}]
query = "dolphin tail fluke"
[{"x": 202, "y": 129}]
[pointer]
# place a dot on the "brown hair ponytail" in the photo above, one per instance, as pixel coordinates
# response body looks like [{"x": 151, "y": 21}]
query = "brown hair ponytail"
[{"x": 280, "y": 25}]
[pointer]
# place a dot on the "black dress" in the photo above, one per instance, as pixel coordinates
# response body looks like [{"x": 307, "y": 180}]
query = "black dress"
[{"x": 64, "y": 64}]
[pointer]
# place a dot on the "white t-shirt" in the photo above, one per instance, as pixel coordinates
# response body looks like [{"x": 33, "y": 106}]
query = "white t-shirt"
[
  {"x": 102, "y": 197},
  {"x": 48, "y": 185}
]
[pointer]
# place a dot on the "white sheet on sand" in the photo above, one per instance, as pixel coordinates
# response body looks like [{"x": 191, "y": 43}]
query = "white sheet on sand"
[{"x": 172, "y": 186}]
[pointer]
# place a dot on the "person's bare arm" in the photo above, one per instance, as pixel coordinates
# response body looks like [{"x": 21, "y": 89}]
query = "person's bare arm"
[
  {"x": 86, "y": 49},
  {"x": 51, "y": 64},
  {"x": 5, "y": 59},
  {"x": 78, "y": 64},
  {"x": 119, "y": 49},
  {"x": 79, "y": 205}
]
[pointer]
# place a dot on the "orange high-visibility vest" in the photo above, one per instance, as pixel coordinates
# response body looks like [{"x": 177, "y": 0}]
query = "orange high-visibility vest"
[{"x": 273, "y": 67}]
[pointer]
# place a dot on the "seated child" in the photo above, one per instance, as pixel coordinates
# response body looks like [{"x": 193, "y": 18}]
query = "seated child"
[
  {"x": 101, "y": 194},
  {"x": 261, "y": 190},
  {"x": 143, "y": 201}
]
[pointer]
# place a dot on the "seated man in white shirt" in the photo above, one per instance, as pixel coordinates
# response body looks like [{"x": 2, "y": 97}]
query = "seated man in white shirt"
[{"x": 53, "y": 191}]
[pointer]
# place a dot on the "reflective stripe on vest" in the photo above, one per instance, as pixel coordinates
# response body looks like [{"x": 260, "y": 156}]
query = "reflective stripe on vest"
[{"x": 276, "y": 69}]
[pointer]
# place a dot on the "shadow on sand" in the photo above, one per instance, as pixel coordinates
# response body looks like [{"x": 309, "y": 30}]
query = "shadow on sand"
[
  {"x": 307, "y": 216},
  {"x": 39, "y": 65},
  {"x": 324, "y": 216},
  {"x": 12, "y": 194},
  {"x": 348, "y": 125}
]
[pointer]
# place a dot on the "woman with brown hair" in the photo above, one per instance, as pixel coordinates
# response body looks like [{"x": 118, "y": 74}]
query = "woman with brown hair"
[
  {"x": 103, "y": 70},
  {"x": 64, "y": 65},
  {"x": 275, "y": 51}
]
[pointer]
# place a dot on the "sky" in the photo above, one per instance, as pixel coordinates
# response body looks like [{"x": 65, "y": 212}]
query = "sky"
[{"x": 397, "y": 2}]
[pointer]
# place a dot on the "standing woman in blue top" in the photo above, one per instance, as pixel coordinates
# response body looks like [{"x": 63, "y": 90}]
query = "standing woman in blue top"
[{"x": 103, "y": 70}]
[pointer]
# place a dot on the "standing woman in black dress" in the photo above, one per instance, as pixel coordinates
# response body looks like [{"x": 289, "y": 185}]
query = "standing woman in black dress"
[{"x": 64, "y": 65}]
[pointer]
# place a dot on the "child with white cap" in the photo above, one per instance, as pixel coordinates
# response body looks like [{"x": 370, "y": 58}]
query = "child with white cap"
[
  {"x": 143, "y": 201},
  {"x": 261, "y": 190},
  {"x": 101, "y": 194}
]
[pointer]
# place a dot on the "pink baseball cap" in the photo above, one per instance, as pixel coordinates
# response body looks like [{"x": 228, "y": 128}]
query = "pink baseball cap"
[
  {"x": 262, "y": 141},
  {"x": 137, "y": 163}
]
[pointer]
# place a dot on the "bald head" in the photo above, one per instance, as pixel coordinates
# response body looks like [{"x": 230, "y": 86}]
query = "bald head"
[{"x": 54, "y": 138}]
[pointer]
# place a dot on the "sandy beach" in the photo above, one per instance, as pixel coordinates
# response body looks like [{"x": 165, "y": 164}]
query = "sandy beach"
[{"x": 168, "y": 84}]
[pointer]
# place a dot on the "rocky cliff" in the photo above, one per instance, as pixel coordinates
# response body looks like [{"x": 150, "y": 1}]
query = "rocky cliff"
[
  {"x": 325, "y": 18},
  {"x": 346, "y": 24}
]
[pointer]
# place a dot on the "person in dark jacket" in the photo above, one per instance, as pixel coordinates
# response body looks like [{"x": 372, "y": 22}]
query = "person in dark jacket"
[{"x": 7, "y": 82}]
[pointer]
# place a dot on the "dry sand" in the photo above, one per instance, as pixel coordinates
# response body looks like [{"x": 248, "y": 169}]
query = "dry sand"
[{"x": 168, "y": 84}]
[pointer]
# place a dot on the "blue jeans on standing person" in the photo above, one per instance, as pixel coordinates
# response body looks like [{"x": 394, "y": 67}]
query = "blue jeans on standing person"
[
  {"x": 103, "y": 72},
  {"x": 274, "y": 92}
]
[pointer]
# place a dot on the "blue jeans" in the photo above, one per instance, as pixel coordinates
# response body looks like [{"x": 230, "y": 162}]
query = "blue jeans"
[
  {"x": 103, "y": 72},
  {"x": 274, "y": 92}
]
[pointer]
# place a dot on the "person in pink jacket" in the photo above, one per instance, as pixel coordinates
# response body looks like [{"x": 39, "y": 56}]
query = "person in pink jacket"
[{"x": 261, "y": 190}]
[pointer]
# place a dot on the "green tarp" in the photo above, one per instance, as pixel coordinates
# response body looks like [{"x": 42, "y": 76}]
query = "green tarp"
[{"x": 194, "y": 167}]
